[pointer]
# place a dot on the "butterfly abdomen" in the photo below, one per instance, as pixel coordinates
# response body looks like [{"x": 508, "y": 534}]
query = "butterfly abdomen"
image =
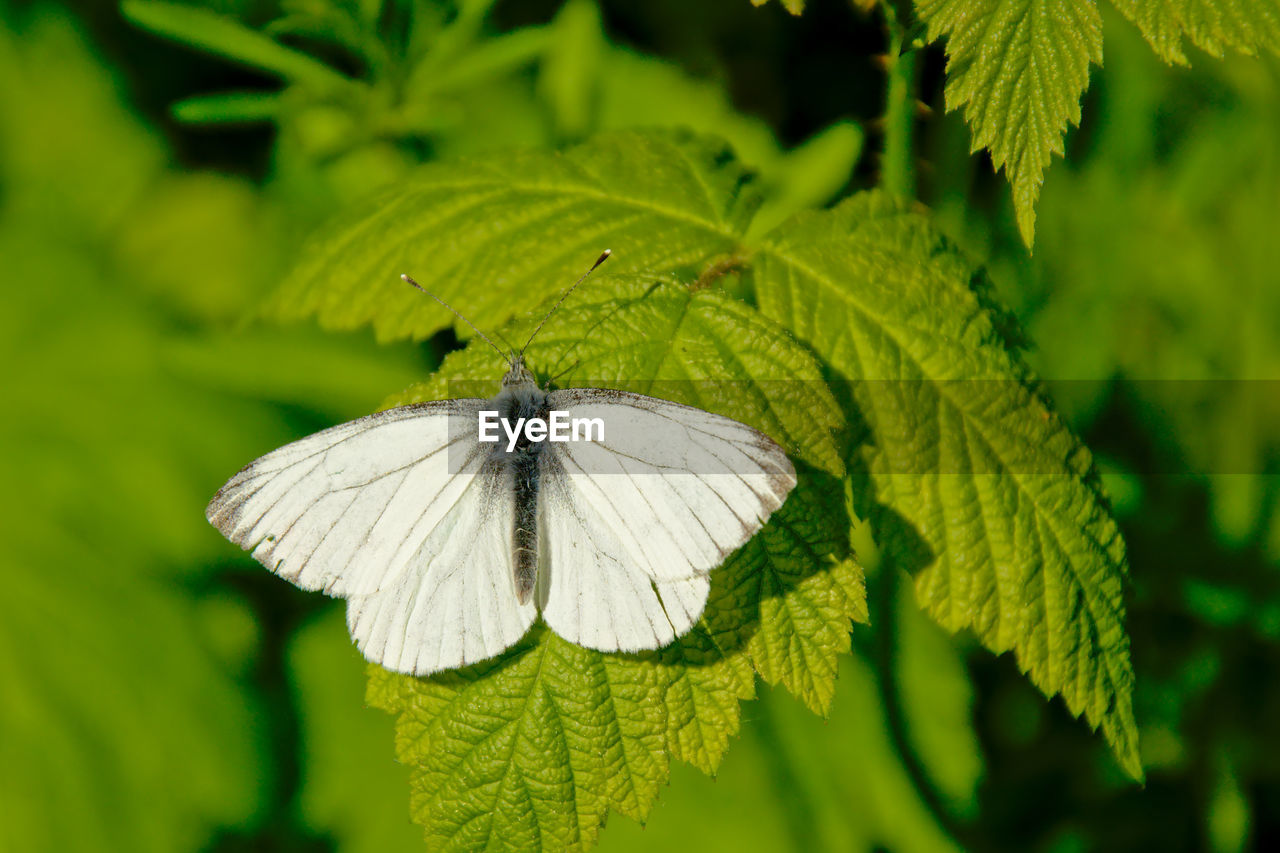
[{"x": 525, "y": 542}]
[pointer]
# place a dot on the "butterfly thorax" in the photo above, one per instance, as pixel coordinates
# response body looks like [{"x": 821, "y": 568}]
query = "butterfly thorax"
[{"x": 520, "y": 400}]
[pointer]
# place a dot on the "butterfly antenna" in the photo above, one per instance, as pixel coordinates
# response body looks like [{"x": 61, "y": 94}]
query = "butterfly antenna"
[
  {"x": 604, "y": 256},
  {"x": 483, "y": 336}
]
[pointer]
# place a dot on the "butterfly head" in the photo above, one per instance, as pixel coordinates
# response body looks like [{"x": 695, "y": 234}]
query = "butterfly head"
[{"x": 518, "y": 374}]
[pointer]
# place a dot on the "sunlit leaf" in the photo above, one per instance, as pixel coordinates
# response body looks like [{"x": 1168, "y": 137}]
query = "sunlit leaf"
[
  {"x": 981, "y": 491},
  {"x": 497, "y": 235}
]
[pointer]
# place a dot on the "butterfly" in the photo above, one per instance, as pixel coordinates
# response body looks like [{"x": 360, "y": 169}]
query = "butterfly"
[{"x": 447, "y": 547}]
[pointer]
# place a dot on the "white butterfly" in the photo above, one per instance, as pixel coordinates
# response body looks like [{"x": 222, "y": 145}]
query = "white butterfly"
[{"x": 447, "y": 548}]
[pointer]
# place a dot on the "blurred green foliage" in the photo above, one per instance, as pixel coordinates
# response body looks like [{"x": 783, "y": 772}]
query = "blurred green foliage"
[
  {"x": 130, "y": 720},
  {"x": 164, "y": 694}
]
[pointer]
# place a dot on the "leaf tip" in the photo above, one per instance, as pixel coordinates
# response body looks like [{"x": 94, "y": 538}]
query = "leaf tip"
[{"x": 1025, "y": 213}]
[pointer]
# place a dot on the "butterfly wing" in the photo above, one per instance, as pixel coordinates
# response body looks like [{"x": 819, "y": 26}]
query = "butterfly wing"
[
  {"x": 402, "y": 513},
  {"x": 631, "y": 525},
  {"x": 406, "y": 516}
]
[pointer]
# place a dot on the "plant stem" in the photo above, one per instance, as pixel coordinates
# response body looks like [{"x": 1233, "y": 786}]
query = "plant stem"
[
  {"x": 798, "y": 807},
  {"x": 885, "y": 585},
  {"x": 884, "y": 590},
  {"x": 897, "y": 173}
]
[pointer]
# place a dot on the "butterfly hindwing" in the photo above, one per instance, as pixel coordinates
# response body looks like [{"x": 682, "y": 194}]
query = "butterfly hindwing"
[
  {"x": 591, "y": 592},
  {"x": 456, "y": 603}
]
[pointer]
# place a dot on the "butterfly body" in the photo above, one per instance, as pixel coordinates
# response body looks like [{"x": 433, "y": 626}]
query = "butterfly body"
[{"x": 519, "y": 400}]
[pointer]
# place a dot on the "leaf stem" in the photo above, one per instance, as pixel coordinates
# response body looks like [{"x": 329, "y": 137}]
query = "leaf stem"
[{"x": 897, "y": 173}]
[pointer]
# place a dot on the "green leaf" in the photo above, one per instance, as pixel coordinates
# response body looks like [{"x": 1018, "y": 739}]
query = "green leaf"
[
  {"x": 937, "y": 700},
  {"x": 495, "y": 236},
  {"x": 629, "y": 89},
  {"x": 534, "y": 748},
  {"x": 571, "y": 69},
  {"x": 809, "y": 175},
  {"x": 1214, "y": 26},
  {"x": 83, "y": 717},
  {"x": 1017, "y": 68},
  {"x": 633, "y": 90},
  {"x": 980, "y": 490},
  {"x": 221, "y": 35},
  {"x": 529, "y": 753},
  {"x": 483, "y": 61},
  {"x": 129, "y": 722},
  {"x": 54, "y": 90},
  {"x": 116, "y": 675}
]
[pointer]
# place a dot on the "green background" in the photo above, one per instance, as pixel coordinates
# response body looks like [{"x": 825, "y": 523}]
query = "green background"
[{"x": 161, "y": 692}]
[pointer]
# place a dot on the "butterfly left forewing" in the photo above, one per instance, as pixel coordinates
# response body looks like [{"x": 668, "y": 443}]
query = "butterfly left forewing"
[{"x": 340, "y": 510}]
